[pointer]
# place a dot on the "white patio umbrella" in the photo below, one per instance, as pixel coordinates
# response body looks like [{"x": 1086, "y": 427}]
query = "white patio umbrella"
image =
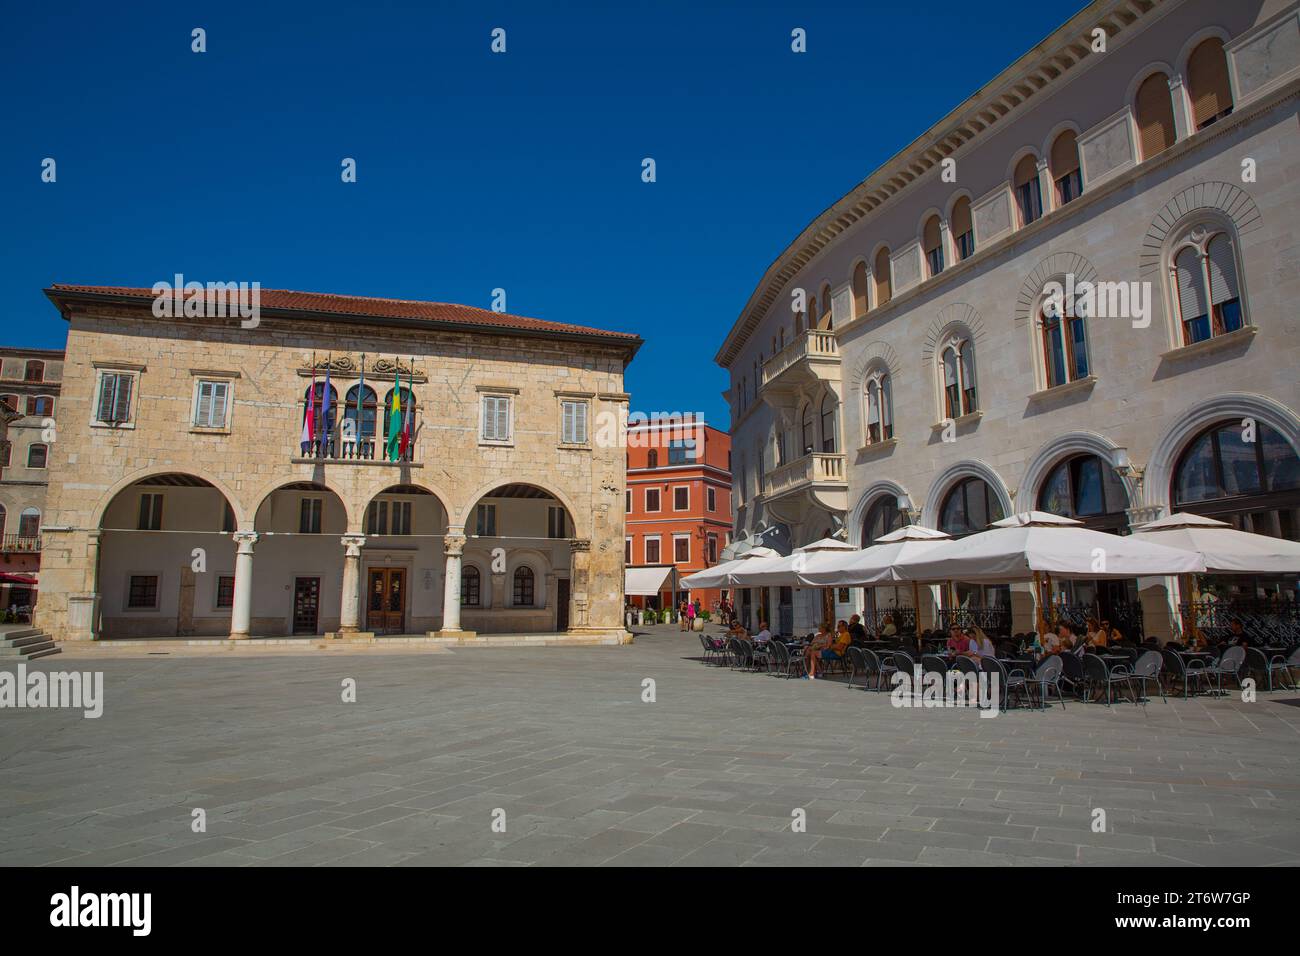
[
  {"x": 873, "y": 565},
  {"x": 1035, "y": 542},
  {"x": 719, "y": 576},
  {"x": 786, "y": 571},
  {"x": 1224, "y": 548}
]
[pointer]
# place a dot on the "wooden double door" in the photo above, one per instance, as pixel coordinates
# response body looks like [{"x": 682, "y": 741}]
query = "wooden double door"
[{"x": 386, "y": 600}]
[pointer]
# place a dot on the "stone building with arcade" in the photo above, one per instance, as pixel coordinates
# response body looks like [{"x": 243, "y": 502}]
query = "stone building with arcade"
[{"x": 220, "y": 478}]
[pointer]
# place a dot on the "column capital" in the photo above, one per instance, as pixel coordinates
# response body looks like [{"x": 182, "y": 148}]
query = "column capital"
[
  {"x": 245, "y": 540},
  {"x": 354, "y": 543},
  {"x": 453, "y": 545}
]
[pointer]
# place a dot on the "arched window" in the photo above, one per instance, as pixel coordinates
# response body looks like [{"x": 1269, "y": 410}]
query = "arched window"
[
  {"x": 652, "y": 458},
  {"x": 359, "y": 414},
  {"x": 826, "y": 321},
  {"x": 963, "y": 229},
  {"x": 470, "y": 586},
  {"x": 321, "y": 407},
  {"x": 1205, "y": 287},
  {"x": 1064, "y": 161},
  {"x": 1064, "y": 340},
  {"x": 406, "y": 405},
  {"x": 881, "y": 276},
  {"x": 1029, "y": 199},
  {"x": 957, "y": 368},
  {"x": 37, "y": 455},
  {"x": 523, "y": 591},
  {"x": 1153, "y": 109},
  {"x": 1247, "y": 476},
  {"x": 860, "y": 290},
  {"x": 882, "y": 517},
  {"x": 829, "y": 406},
  {"x": 807, "y": 436},
  {"x": 880, "y": 408},
  {"x": 969, "y": 507},
  {"x": 29, "y": 523},
  {"x": 1207, "y": 83},
  {"x": 34, "y": 372},
  {"x": 932, "y": 243},
  {"x": 1086, "y": 488}
]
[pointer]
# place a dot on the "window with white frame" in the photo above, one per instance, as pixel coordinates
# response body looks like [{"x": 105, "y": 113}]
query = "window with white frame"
[
  {"x": 880, "y": 407},
  {"x": 113, "y": 406},
  {"x": 495, "y": 417},
  {"x": 652, "y": 549},
  {"x": 1205, "y": 285},
  {"x": 713, "y": 549},
  {"x": 957, "y": 371},
  {"x": 681, "y": 548},
  {"x": 211, "y": 403},
  {"x": 573, "y": 422},
  {"x": 652, "y": 499},
  {"x": 681, "y": 498}
]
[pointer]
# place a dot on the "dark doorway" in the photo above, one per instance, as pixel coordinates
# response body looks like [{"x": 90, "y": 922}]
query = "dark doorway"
[
  {"x": 386, "y": 604},
  {"x": 306, "y": 605},
  {"x": 562, "y": 605}
]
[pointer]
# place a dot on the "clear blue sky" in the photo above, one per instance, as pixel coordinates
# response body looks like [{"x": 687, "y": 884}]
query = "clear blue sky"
[{"x": 475, "y": 171}]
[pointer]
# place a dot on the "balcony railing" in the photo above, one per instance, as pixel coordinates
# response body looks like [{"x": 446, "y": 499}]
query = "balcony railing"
[
  {"x": 815, "y": 468},
  {"x": 811, "y": 344},
  {"x": 21, "y": 543},
  {"x": 339, "y": 449}
]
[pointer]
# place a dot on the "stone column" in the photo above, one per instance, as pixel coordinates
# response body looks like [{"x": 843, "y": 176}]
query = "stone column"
[
  {"x": 350, "y": 615},
  {"x": 83, "y": 605},
  {"x": 242, "y": 610},
  {"x": 579, "y": 578},
  {"x": 947, "y": 244},
  {"x": 454, "y": 546},
  {"x": 1046, "y": 188}
]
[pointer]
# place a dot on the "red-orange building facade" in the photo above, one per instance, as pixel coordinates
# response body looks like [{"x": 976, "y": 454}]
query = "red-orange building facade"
[{"x": 678, "y": 503}]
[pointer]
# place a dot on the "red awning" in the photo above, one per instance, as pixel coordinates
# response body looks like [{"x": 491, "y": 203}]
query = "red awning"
[{"x": 23, "y": 579}]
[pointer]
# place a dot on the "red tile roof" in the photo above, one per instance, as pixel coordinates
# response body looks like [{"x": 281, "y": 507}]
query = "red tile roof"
[{"x": 435, "y": 313}]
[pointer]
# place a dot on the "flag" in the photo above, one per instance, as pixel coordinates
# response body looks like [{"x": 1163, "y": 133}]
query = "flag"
[
  {"x": 309, "y": 413},
  {"x": 395, "y": 420},
  {"x": 407, "y": 418},
  {"x": 360, "y": 422},
  {"x": 325, "y": 409}
]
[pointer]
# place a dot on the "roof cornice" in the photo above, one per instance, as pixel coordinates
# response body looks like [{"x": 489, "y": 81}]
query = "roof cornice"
[{"x": 1007, "y": 95}]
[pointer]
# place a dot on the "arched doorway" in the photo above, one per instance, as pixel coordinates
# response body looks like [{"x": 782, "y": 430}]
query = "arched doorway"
[
  {"x": 886, "y": 604},
  {"x": 166, "y": 563},
  {"x": 1085, "y": 487},
  {"x": 401, "y": 561},
  {"x": 299, "y": 561},
  {"x": 1247, "y": 474},
  {"x": 518, "y": 543},
  {"x": 969, "y": 507}
]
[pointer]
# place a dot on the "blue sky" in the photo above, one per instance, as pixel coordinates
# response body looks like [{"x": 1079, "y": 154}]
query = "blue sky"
[{"x": 475, "y": 171}]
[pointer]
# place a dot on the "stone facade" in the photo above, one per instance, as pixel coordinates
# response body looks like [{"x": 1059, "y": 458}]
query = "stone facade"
[
  {"x": 1149, "y": 389},
  {"x": 270, "y": 516}
]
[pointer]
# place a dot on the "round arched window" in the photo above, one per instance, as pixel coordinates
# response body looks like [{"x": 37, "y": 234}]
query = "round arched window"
[{"x": 969, "y": 507}]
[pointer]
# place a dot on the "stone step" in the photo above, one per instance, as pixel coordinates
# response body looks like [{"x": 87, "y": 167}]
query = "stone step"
[
  {"x": 28, "y": 648},
  {"x": 35, "y": 637},
  {"x": 15, "y": 632}
]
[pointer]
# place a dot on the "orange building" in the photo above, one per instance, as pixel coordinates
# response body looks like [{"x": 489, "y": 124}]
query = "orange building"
[{"x": 678, "y": 504}]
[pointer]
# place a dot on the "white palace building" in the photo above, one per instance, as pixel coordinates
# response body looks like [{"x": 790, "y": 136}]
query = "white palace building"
[{"x": 1150, "y": 149}]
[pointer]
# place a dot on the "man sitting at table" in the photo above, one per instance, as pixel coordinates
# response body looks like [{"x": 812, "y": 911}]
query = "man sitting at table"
[
  {"x": 856, "y": 630},
  {"x": 958, "y": 642},
  {"x": 763, "y": 635},
  {"x": 1237, "y": 634}
]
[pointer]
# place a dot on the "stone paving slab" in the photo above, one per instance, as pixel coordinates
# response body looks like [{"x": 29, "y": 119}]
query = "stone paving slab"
[{"x": 557, "y": 746}]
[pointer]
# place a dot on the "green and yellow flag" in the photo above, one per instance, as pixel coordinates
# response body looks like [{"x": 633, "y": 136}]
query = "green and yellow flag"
[{"x": 395, "y": 421}]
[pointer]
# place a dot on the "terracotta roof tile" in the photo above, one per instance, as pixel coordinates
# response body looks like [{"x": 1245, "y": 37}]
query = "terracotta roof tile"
[{"x": 328, "y": 303}]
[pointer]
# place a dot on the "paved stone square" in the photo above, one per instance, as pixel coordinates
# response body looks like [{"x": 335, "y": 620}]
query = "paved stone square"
[{"x": 587, "y": 773}]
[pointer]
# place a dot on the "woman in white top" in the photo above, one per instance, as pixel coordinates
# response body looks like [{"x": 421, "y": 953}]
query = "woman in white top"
[{"x": 983, "y": 646}]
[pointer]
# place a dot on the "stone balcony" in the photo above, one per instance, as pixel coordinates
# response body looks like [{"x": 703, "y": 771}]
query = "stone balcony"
[
  {"x": 20, "y": 543},
  {"x": 813, "y": 357},
  {"x": 817, "y": 480}
]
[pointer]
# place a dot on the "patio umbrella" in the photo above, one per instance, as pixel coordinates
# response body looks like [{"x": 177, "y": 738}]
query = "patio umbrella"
[
  {"x": 1016, "y": 548},
  {"x": 1224, "y": 548},
  {"x": 787, "y": 571},
  {"x": 719, "y": 576},
  {"x": 873, "y": 565}
]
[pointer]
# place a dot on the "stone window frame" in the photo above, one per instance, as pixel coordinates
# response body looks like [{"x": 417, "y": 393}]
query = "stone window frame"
[
  {"x": 563, "y": 398},
  {"x": 136, "y": 373},
  {"x": 217, "y": 606},
  {"x": 126, "y": 591},
  {"x": 503, "y": 392},
  {"x": 220, "y": 378}
]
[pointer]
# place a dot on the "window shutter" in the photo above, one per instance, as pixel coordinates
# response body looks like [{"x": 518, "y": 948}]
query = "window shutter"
[
  {"x": 873, "y": 404},
  {"x": 122, "y": 404},
  {"x": 219, "y": 396},
  {"x": 886, "y": 403},
  {"x": 203, "y": 414},
  {"x": 503, "y": 419},
  {"x": 1223, "y": 270},
  {"x": 106, "y": 397},
  {"x": 1207, "y": 82},
  {"x": 1155, "y": 115},
  {"x": 949, "y": 368},
  {"x": 581, "y": 409},
  {"x": 1191, "y": 289},
  {"x": 570, "y": 428}
]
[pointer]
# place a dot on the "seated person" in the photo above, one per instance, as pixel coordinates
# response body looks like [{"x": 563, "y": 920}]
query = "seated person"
[
  {"x": 1064, "y": 637},
  {"x": 763, "y": 635},
  {"x": 1237, "y": 634},
  {"x": 820, "y": 642},
  {"x": 958, "y": 642},
  {"x": 856, "y": 630},
  {"x": 838, "y": 648},
  {"x": 1112, "y": 633},
  {"x": 888, "y": 629},
  {"x": 983, "y": 645}
]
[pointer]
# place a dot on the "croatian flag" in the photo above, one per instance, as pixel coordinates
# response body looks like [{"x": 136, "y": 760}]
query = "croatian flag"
[{"x": 325, "y": 413}]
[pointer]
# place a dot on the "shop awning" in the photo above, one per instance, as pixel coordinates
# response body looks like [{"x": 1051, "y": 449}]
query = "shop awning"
[
  {"x": 650, "y": 580},
  {"x": 25, "y": 580}
]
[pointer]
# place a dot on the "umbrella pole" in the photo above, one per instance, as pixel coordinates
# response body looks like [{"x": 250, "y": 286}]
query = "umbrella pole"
[{"x": 1039, "y": 620}]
